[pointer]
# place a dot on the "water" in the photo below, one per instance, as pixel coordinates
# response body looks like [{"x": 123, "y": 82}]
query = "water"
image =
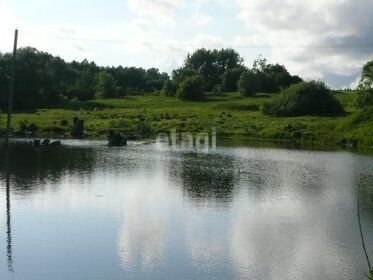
[{"x": 86, "y": 211}]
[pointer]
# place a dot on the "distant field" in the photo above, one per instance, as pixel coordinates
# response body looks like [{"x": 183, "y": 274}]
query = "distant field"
[{"x": 231, "y": 115}]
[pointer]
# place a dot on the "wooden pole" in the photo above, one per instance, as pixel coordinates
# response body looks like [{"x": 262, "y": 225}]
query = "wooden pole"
[{"x": 11, "y": 89}]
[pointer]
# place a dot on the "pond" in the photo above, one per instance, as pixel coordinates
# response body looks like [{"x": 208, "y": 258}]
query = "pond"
[{"x": 87, "y": 211}]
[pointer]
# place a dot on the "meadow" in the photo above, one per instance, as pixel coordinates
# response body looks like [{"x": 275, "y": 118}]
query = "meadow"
[{"x": 232, "y": 115}]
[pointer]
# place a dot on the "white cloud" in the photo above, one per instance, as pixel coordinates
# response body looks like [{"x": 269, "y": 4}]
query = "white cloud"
[
  {"x": 315, "y": 39},
  {"x": 161, "y": 10}
]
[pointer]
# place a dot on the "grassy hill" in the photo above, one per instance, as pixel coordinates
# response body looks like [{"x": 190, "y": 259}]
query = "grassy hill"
[{"x": 231, "y": 114}]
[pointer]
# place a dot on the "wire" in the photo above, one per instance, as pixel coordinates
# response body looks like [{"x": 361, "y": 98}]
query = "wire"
[{"x": 214, "y": 45}]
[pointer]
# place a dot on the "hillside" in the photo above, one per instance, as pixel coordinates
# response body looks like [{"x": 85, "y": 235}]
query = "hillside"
[{"x": 231, "y": 114}]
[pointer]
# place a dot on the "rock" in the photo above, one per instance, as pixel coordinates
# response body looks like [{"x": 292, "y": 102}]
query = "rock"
[{"x": 45, "y": 142}]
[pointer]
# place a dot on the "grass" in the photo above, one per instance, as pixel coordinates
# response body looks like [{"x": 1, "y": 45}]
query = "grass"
[{"x": 231, "y": 114}]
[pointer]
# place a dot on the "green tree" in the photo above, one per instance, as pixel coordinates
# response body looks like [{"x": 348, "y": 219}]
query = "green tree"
[
  {"x": 273, "y": 77},
  {"x": 211, "y": 64},
  {"x": 180, "y": 74},
  {"x": 106, "y": 86},
  {"x": 249, "y": 83},
  {"x": 155, "y": 79},
  {"x": 366, "y": 80},
  {"x": 169, "y": 88},
  {"x": 131, "y": 78},
  {"x": 364, "y": 97},
  {"x": 230, "y": 78},
  {"x": 305, "y": 98},
  {"x": 192, "y": 88}
]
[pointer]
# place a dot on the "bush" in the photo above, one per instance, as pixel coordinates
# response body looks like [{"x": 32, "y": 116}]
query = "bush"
[
  {"x": 191, "y": 88},
  {"x": 364, "y": 99},
  {"x": 305, "y": 98},
  {"x": 64, "y": 122},
  {"x": 248, "y": 84},
  {"x": 230, "y": 79},
  {"x": 169, "y": 88}
]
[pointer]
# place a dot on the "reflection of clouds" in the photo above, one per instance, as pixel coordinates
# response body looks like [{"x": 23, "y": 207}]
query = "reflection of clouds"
[
  {"x": 206, "y": 244},
  {"x": 266, "y": 245},
  {"x": 143, "y": 236},
  {"x": 142, "y": 243},
  {"x": 285, "y": 215},
  {"x": 295, "y": 229}
]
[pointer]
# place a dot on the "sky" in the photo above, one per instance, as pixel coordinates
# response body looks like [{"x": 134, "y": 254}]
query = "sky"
[{"x": 321, "y": 39}]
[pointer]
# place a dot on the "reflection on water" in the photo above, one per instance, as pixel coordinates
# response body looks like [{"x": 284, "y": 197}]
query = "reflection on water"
[
  {"x": 87, "y": 211},
  {"x": 203, "y": 180},
  {"x": 9, "y": 252}
]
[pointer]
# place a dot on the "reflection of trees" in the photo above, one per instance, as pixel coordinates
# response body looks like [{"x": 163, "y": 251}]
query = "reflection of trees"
[
  {"x": 206, "y": 177},
  {"x": 366, "y": 195},
  {"x": 30, "y": 165}
]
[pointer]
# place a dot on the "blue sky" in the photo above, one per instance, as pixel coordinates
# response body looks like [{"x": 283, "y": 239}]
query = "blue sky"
[{"x": 325, "y": 39}]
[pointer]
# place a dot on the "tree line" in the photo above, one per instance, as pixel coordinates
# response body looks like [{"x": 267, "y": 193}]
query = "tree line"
[
  {"x": 224, "y": 71},
  {"x": 44, "y": 80}
]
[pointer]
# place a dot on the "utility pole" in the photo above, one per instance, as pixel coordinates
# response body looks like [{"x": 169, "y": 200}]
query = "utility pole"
[{"x": 11, "y": 89}]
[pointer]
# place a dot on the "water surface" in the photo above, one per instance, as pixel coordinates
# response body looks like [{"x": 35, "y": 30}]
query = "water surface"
[{"x": 87, "y": 211}]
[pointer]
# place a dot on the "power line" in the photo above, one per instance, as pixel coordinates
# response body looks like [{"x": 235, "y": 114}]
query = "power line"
[{"x": 212, "y": 45}]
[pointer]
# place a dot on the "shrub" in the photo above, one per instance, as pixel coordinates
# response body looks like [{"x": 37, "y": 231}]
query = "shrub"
[
  {"x": 248, "y": 84},
  {"x": 305, "y": 98},
  {"x": 191, "y": 88},
  {"x": 64, "y": 122},
  {"x": 364, "y": 99},
  {"x": 230, "y": 79},
  {"x": 169, "y": 88}
]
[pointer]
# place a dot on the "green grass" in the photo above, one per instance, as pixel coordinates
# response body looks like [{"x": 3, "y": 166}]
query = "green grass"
[{"x": 231, "y": 114}]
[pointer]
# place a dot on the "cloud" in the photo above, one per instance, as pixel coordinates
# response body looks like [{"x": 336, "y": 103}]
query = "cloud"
[
  {"x": 316, "y": 39},
  {"x": 162, "y": 10}
]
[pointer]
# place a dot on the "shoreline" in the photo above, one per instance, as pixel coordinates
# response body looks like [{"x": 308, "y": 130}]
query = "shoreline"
[{"x": 226, "y": 141}]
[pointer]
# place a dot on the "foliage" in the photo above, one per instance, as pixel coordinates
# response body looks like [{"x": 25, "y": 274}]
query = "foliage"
[
  {"x": 231, "y": 114},
  {"x": 272, "y": 77},
  {"x": 192, "y": 88},
  {"x": 44, "y": 81},
  {"x": 230, "y": 79},
  {"x": 249, "y": 83},
  {"x": 210, "y": 64},
  {"x": 306, "y": 98},
  {"x": 169, "y": 88},
  {"x": 264, "y": 77},
  {"x": 366, "y": 81},
  {"x": 106, "y": 85},
  {"x": 364, "y": 97},
  {"x": 180, "y": 74}
]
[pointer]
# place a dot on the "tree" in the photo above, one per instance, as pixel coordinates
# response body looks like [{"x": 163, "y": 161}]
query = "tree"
[
  {"x": 273, "y": 77},
  {"x": 211, "y": 64},
  {"x": 84, "y": 86},
  {"x": 248, "y": 84},
  {"x": 154, "y": 79},
  {"x": 169, "y": 88},
  {"x": 364, "y": 97},
  {"x": 366, "y": 80},
  {"x": 106, "y": 85},
  {"x": 43, "y": 80},
  {"x": 180, "y": 74},
  {"x": 192, "y": 88},
  {"x": 305, "y": 98},
  {"x": 230, "y": 78}
]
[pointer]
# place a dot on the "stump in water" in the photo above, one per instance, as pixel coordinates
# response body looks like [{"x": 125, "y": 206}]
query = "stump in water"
[
  {"x": 78, "y": 128},
  {"x": 116, "y": 139}
]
